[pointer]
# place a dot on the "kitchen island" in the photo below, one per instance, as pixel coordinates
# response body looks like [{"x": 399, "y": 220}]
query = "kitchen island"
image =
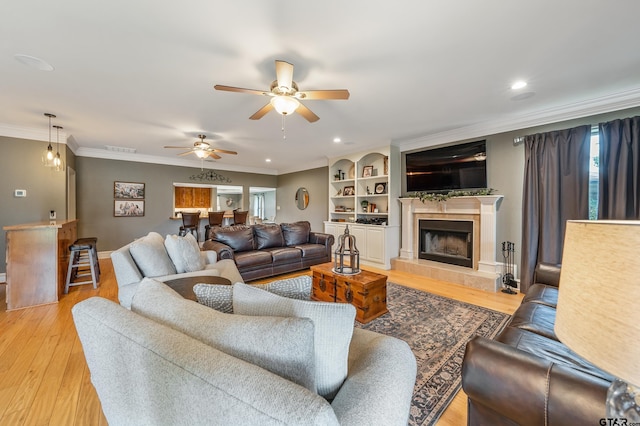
[{"x": 37, "y": 261}]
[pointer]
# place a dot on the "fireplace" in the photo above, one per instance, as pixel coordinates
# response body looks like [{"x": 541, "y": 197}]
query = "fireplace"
[
  {"x": 484, "y": 271},
  {"x": 446, "y": 241}
]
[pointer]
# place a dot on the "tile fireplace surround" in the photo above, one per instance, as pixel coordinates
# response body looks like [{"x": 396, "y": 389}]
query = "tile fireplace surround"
[{"x": 481, "y": 210}]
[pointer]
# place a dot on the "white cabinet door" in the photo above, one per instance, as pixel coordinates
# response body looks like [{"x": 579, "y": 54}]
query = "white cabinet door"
[
  {"x": 336, "y": 229},
  {"x": 375, "y": 244},
  {"x": 360, "y": 232}
]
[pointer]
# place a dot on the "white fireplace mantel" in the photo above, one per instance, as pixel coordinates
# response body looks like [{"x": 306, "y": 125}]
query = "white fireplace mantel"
[{"x": 483, "y": 205}]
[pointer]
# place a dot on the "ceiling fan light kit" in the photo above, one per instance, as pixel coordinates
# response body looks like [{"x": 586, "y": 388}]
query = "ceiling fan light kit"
[
  {"x": 202, "y": 150},
  {"x": 286, "y": 96},
  {"x": 285, "y": 105}
]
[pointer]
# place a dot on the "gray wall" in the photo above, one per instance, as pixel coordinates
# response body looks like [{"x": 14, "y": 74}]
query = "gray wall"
[
  {"x": 505, "y": 173},
  {"x": 95, "y": 198},
  {"x": 21, "y": 168},
  {"x": 317, "y": 183}
]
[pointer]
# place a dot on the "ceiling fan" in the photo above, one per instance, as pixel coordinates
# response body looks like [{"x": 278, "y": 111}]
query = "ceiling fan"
[
  {"x": 285, "y": 96},
  {"x": 203, "y": 149}
]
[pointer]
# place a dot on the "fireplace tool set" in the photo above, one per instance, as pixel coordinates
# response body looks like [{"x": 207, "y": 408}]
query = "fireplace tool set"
[{"x": 507, "y": 269}]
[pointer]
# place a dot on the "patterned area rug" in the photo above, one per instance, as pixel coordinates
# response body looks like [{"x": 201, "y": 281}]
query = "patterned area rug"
[{"x": 437, "y": 329}]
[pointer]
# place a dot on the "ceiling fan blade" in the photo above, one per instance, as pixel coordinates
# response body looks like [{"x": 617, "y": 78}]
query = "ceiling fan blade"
[
  {"x": 214, "y": 155},
  {"x": 261, "y": 112},
  {"x": 323, "y": 94},
  {"x": 240, "y": 90},
  {"x": 184, "y": 153},
  {"x": 224, "y": 151},
  {"x": 307, "y": 113},
  {"x": 284, "y": 74},
  {"x": 181, "y": 147}
]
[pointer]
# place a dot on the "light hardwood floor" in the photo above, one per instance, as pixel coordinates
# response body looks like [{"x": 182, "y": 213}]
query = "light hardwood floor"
[{"x": 44, "y": 378}]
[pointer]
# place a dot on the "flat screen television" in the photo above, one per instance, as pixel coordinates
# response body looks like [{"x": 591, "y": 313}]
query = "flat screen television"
[{"x": 455, "y": 167}]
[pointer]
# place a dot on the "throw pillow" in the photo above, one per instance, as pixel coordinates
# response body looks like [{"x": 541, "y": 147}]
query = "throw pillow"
[
  {"x": 296, "y": 233},
  {"x": 268, "y": 236},
  {"x": 151, "y": 256},
  {"x": 293, "y": 288},
  {"x": 333, "y": 329},
  {"x": 216, "y": 296},
  {"x": 184, "y": 253},
  {"x": 219, "y": 296},
  {"x": 283, "y": 346}
]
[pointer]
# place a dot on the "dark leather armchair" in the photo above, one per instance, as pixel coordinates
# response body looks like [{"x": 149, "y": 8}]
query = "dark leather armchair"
[
  {"x": 526, "y": 376},
  {"x": 190, "y": 223}
]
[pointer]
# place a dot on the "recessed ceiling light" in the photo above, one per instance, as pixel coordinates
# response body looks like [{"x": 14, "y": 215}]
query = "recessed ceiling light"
[
  {"x": 33, "y": 62},
  {"x": 268, "y": 160},
  {"x": 337, "y": 140},
  {"x": 518, "y": 85}
]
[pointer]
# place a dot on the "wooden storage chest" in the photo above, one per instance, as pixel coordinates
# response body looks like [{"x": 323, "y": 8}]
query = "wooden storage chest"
[{"x": 366, "y": 291}]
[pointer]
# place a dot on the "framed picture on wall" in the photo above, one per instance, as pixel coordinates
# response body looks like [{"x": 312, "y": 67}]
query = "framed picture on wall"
[
  {"x": 367, "y": 171},
  {"x": 128, "y": 190},
  {"x": 128, "y": 208}
]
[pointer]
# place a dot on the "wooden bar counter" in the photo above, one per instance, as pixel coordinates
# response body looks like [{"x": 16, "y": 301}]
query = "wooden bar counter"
[{"x": 37, "y": 261}]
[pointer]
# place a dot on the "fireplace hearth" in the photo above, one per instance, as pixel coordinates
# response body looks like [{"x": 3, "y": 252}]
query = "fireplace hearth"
[{"x": 446, "y": 241}]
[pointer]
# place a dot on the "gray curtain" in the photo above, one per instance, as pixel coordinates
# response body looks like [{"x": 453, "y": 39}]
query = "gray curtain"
[
  {"x": 556, "y": 188},
  {"x": 619, "y": 196}
]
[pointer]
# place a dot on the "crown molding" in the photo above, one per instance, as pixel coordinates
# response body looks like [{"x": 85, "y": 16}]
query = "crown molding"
[
  {"x": 604, "y": 104},
  {"x": 30, "y": 133},
  {"x": 308, "y": 165},
  {"x": 152, "y": 159}
]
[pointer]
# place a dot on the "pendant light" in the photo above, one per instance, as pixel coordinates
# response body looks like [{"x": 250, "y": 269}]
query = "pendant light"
[
  {"x": 48, "y": 155},
  {"x": 58, "y": 162}
]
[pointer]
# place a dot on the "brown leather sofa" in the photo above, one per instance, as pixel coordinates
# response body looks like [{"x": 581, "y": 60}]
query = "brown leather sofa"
[
  {"x": 526, "y": 376},
  {"x": 264, "y": 250}
]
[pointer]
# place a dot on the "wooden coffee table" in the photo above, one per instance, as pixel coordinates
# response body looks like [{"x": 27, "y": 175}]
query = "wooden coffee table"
[
  {"x": 184, "y": 286},
  {"x": 367, "y": 291}
]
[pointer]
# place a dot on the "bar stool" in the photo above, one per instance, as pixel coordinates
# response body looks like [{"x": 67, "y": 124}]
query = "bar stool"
[
  {"x": 190, "y": 223},
  {"x": 215, "y": 219},
  {"x": 83, "y": 262}
]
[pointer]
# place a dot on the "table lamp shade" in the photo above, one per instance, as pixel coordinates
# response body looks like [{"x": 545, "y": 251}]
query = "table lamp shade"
[{"x": 598, "y": 314}]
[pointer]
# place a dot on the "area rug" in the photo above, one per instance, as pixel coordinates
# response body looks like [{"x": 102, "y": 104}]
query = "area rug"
[{"x": 437, "y": 329}]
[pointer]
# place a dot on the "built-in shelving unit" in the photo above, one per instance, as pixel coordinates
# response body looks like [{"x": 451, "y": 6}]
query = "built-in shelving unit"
[{"x": 363, "y": 195}]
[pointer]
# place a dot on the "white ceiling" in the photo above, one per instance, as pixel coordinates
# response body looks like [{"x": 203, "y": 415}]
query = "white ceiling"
[{"x": 140, "y": 74}]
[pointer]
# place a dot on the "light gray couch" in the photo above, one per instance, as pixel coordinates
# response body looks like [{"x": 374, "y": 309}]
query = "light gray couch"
[
  {"x": 158, "y": 264},
  {"x": 172, "y": 366}
]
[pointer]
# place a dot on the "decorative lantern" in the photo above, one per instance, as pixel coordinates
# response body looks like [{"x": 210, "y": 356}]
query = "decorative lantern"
[{"x": 346, "y": 249}]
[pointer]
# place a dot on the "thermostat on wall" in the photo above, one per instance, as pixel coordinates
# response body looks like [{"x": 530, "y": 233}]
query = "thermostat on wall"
[{"x": 20, "y": 193}]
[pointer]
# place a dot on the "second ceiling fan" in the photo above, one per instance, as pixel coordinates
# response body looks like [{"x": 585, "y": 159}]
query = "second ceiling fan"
[{"x": 285, "y": 96}]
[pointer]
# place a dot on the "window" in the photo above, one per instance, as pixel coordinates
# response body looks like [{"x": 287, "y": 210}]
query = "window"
[
  {"x": 258, "y": 206},
  {"x": 594, "y": 178}
]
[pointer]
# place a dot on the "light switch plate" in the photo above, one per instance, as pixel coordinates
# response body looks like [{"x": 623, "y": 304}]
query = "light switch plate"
[{"x": 20, "y": 193}]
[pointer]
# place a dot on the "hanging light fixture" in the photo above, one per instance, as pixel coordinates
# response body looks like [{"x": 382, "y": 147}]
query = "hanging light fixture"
[
  {"x": 48, "y": 155},
  {"x": 58, "y": 162}
]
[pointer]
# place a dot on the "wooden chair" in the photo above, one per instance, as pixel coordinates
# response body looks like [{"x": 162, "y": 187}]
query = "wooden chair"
[
  {"x": 190, "y": 223},
  {"x": 215, "y": 219},
  {"x": 240, "y": 217}
]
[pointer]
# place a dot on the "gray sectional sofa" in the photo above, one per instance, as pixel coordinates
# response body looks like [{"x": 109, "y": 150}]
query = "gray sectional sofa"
[
  {"x": 148, "y": 257},
  {"x": 172, "y": 361}
]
